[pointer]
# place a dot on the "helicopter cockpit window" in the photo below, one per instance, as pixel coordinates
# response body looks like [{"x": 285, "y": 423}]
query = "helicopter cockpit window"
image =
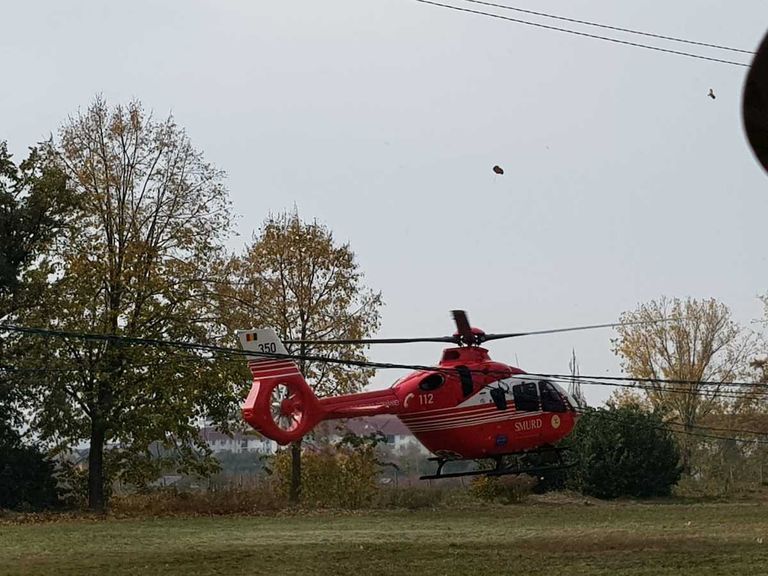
[
  {"x": 431, "y": 382},
  {"x": 526, "y": 396},
  {"x": 551, "y": 401}
]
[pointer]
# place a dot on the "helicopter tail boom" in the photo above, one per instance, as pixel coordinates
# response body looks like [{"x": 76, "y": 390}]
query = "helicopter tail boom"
[{"x": 361, "y": 404}]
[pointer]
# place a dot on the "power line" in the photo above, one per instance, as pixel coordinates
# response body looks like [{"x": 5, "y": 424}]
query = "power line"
[
  {"x": 616, "y": 381},
  {"x": 672, "y": 390},
  {"x": 584, "y": 34},
  {"x": 238, "y": 352},
  {"x": 606, "y": 415},
  {"x": 132, "y": 340},
  {"x": 732, "y": 395},
  {"x": 9, "y": 368},
  {"x": 652, "y": 380},
  {"x": 719, "y": 429},
  {"x": 21, "y": 370},
  {"x": 607, "y": 27},
  {"x": 215, "y": 349}
]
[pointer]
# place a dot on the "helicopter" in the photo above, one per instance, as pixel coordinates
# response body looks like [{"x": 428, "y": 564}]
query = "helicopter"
[{"x": 468, "y": 407}]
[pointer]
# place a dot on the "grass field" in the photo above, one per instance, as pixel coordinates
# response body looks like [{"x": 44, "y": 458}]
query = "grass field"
[{"x": 546, "y": 539}]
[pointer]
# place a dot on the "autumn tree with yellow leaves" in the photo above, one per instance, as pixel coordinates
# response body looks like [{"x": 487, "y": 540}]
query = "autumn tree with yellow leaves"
[
  {"x": 296, "y": 278},
  {"x": 152, "y": 218},
  {"x": 695, "y": 344}
]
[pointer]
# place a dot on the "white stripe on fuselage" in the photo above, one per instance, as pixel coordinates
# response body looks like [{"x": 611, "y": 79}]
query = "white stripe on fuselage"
[{"x": 502, "y": 416}]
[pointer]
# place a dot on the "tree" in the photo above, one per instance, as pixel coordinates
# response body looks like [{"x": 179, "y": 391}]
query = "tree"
[
  {"x": 628, "y": 397},
  {"x": 152, "y": 217},
  {"x": 693, "y": 342},
  {"x": 34, "y": 204},
  {"x": 296, "y": 279},
  {"x": 760, "y": 363},
  {"x": 623, "y": 452}
]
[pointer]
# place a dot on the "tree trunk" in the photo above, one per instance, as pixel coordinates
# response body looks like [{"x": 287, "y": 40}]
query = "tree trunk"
[
  {"x": 97, "y": 494},
  {"x": 686, "y": 450},
  {"x": 97, "y": 501},
  {"x": 294, "y": 495},
  {"x": 685, "y": 458}
]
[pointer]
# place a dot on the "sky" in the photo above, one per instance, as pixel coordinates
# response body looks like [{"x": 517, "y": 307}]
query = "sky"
[{"x": 383, "y": 119}]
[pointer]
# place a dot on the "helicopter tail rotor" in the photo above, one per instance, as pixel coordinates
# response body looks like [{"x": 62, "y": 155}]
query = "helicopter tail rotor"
[{"x": 281, "y": 405}]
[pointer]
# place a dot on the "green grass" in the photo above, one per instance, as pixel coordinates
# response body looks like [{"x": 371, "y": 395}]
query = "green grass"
[{"x": 524, "y": 540}]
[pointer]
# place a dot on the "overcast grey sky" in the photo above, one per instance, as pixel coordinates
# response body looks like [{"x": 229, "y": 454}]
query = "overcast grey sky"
[{"x": 383, "y": 119}]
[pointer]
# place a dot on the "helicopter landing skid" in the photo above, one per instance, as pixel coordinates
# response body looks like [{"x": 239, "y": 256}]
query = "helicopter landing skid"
[{"x": 503, "y": 468}]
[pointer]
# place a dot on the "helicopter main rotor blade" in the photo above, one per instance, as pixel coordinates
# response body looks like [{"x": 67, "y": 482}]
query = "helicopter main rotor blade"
[
  {"x": 755, "y": 104},
  {"x": 487, "y": 337},
  {"x": 466, "y": 336},
  {"x": 444, "y": 339}
]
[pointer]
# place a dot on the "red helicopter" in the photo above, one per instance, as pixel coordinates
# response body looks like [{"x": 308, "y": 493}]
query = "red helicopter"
[{"x": 468, "y": 407}]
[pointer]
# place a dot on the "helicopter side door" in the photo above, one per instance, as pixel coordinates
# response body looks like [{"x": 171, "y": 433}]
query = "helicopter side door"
[
  {"x": 526, "y": 396},
  {"x": 527, "y": 421}
]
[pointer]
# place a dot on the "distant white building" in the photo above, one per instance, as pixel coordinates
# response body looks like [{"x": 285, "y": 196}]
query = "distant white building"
[
  {"x": 237, "y": 443},
  {"x": 397, "y": 435}
]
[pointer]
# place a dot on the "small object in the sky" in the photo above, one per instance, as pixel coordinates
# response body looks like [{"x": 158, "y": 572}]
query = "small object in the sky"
[
  {"x": 498, "y": 170},
  {"x": 711, "y": 94}
]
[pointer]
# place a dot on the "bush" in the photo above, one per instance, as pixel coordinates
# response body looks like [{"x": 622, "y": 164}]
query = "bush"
[
  {"x": 343, "y": 477},
  {"x": 27, "y": 480},
  {"x": 258, "y": 499},
  {"x": 623, "y": 451},
  {"x": 73, "y": 485}
]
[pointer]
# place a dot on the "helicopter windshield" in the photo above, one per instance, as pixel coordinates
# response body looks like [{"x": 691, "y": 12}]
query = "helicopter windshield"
[
  {"x": 573, "y": 405},
  {"x": 551, "y": 399}
]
